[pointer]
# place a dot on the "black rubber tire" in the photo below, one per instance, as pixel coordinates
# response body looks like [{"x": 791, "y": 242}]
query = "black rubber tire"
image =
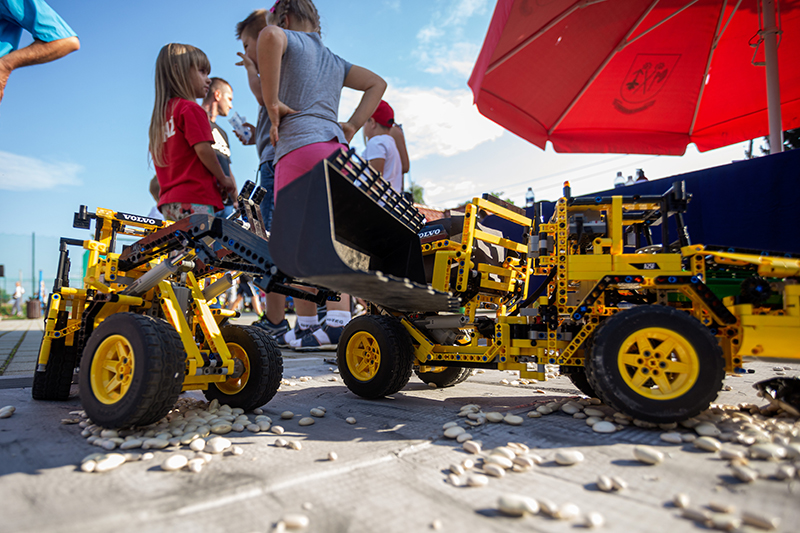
[
  {"x": 451, "y": 375},
  {"x": 266, "y": 368},
  {"x": 396, "y": 356},
  {"x": 577, "y": 376},
  {"x": 605, "y": 377},
  {"x": 54, "y": 383},
  {"x": 157, "y": 378}
]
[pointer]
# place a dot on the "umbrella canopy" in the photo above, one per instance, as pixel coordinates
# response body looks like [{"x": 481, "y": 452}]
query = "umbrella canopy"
[{"x": 638, "y": 76}]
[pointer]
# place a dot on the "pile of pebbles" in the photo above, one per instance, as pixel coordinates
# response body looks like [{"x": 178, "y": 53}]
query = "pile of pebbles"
[
  {"x": 743, "y": 435},
  {"x": 192, "y": 426}
]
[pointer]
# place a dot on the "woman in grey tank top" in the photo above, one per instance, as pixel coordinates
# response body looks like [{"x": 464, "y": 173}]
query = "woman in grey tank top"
[{"x": 301, "y": 81}]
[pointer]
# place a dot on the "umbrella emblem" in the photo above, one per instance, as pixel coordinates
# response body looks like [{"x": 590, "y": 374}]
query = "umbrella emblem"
[{"x": 646, "y": 77}]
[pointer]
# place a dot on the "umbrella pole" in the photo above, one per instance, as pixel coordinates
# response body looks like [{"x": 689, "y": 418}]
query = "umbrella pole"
[{"x": 770, "y": 35}]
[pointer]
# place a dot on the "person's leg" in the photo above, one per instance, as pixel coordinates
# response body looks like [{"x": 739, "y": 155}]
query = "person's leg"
[
  {"x": 327, "y": 337},
  {"x": 266, "y": 174}
]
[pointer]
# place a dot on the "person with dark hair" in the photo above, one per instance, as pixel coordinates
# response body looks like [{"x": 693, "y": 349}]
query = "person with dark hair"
[
  {"x": 52, "y": 37},
  {"x": 218, "y": 102}
]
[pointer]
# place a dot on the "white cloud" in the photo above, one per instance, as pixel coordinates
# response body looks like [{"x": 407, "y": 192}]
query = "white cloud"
[
  {"x": 439, "y": 121},
  {"x": 442, "y": 47},
  {"x": 435, "y": 121},
  {"x": 458, "y": 58},
  {"x": 21, "y": 173},
  {"x": 394, "y": 5}
]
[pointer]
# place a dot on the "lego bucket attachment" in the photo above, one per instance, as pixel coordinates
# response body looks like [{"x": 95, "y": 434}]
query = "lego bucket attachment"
[{"x": 342, "y": 226}]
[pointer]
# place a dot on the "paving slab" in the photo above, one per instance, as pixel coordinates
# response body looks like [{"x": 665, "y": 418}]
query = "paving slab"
[{"x": 391, "y": 474}]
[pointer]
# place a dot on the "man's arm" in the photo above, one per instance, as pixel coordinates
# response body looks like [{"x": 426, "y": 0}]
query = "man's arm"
[{"x": 34, "y": 54}]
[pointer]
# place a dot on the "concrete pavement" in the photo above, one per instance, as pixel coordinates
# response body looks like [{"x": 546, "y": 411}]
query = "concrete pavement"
[{"x": 391, "y": 475}]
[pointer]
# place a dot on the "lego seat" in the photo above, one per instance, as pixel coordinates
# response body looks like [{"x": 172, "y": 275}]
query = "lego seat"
[{"x": 341, "y": 226}]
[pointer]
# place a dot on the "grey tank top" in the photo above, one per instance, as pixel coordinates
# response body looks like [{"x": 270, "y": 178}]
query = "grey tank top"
[
  {"x": 311, "y": 83},
  {"x": 265, "y": 150}
]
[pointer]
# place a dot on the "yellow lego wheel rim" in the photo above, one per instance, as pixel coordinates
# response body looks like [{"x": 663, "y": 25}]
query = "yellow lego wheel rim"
[
  {"x": 112, "y": 369},
  {"x": 363, "y": 356},
  {"x": 236, "y": 385},
  {"x": 658, "y": 363}
]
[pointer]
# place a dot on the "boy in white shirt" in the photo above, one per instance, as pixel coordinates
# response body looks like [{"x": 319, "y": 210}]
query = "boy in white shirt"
[{"x": 381, "y": 151}]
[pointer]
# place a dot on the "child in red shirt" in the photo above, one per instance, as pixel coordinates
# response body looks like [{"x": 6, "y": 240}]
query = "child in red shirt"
[{"x": 189, "y": 174}]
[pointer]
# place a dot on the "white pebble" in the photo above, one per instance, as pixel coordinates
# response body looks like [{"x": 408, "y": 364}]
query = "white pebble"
[
  {"x": 306, "y": 421},
  {"x": 463, "y": 437},
  {"x": 534, "y": 414},
  {"x": 7, "y": 411},
  {"x": 195, "y": 465},
  {"x": 477, "y": 480},
  {"x": 278, "y": 430},
  {"x": 619, "y": 483},
  {"x": 217, "y": 445},
  {"x": 548, "y": 506},
  {"x": 155, "y": 444},
  {"x": 457, "y": 469},
  {"x": 604, "y": 427},
  {"x": 449, "y": 425},
  {"x": 681, "y": 500},
  {"x": 707, "y": 429},
  {"x": 648, "y": 455},
  {"x": 494, "y": 417},
  {"x": 258, "y": 411},
  {"x": 567, "y": 458},
  {"x": 592, "y": 411},
  {"x": 453, "y": 432},
  {"x": 296, "y": 521},
  {"x": 350, "y": 420},
  {"x": 767, "y": 451},
  {"x": 671, "y": 437},
  {"x": 472, "y": 447},
  {"x": 494, "y": 470},
  {"x": 237, "y": 450},
  {"x": 174, "y": 462},
  {"x": 318, "y": 413},
  {"x": 295, "y": 445},
  {"x": 499, "y": 460},
  {"x": 513, "y": 420},
  {"x": 761, "y": 520},
  {"x": 287, "y": 415},
  {"x": 708, "y": 444},
  {"x": 332, "y": 456},
  {"x": 568, "y": 511},
  {"x": 281, "y": 443},
  {"x": 517, "y": 505},
  {"x": 109, "y": 462},
  {"x": 744, "y": 473},
  {"x": 197, "y": 445},
  {"x": 593, "y": 520},
  {"x": 604, "y": 483}
]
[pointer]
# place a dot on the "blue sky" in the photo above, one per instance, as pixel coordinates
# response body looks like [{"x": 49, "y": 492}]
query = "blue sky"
[{"x": 75, "y": 131}]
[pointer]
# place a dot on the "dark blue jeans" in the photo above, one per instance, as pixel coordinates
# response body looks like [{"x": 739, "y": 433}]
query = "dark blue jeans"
[{"x": 266, "y": 174}]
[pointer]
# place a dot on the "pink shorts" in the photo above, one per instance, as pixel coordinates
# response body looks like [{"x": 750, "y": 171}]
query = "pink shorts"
[{"x": 298, "y": 162}]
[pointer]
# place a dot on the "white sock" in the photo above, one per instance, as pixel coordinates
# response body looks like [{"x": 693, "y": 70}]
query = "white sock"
[
  {"x": 337, "y": 319},
  {"x": 306, "y": 322}
]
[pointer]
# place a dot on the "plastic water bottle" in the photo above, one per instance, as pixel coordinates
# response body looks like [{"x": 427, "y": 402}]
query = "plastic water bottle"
[
  {"x": 237, "y": 123},
  {"x": 530, "y": 199},
  {"x": 619, "y": 181}
]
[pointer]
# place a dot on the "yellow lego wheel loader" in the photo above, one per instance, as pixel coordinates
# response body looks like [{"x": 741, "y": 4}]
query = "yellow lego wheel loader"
[
  {"x": 143, "y": 328},
  {"x": 650, "y": 328}
]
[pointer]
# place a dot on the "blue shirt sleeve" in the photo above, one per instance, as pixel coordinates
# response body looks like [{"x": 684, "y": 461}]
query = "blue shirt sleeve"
[{"x": 34, "y": 16}]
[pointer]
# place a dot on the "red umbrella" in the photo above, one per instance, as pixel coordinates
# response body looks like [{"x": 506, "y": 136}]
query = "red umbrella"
[{"x": 640, "y": 76}]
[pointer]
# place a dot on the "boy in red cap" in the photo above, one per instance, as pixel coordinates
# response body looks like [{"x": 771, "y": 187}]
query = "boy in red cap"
[{"x": 382, "y": 151}]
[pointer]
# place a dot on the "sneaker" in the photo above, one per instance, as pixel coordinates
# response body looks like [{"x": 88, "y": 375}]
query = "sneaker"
[
  {"x": 275, "y": 331},
  {"x": 323, "y": 338},
  {"x": 285, "y": 340}
]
